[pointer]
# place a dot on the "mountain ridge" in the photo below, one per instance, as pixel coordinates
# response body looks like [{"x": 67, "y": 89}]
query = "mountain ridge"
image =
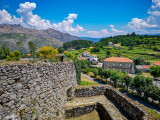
[{"x": 10, "y": 34}]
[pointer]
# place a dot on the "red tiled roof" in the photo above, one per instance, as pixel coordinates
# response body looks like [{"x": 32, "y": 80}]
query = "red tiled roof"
[
  {"x": 157, "y": 63},
  {"x": 146, "y": 66},
  {"x": 118, "y": 59},
  {"x": 82, "y": 58},
  {"x": 117, "y": 45},
  {"x": 86, "y": 52},
  {"x": 94, "y": 55}
]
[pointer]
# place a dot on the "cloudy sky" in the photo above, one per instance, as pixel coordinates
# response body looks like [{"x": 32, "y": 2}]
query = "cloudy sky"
[{"x": 87, "y": 18}]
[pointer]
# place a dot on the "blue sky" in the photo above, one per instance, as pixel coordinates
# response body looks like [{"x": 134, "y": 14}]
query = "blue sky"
[{"x": 93, "y": 18}]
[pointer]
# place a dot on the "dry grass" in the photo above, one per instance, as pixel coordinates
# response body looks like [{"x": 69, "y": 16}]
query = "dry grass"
[
  {"x": 86, "y": 79},
  {"x": 2, "y": 63},
  {"x": 91, "y": 74}
]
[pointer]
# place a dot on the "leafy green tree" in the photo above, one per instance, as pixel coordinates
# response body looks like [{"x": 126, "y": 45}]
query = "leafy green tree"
[
  {"x": 139, "y": 61},
  {"x": 106, "y": 74},
  {"x": 10, "y": 57},
  {"x": 101, "y": 72},
  {"x": 6, "y": 50},
  {"x": 115, "y": 76},
  {"x": 155, "y": 93},
  {"x": 95, "y": 72},
  {"x": 60, "y": 50},
  {"x": 17, "y": 55},
  {"x": 127, "y": 81},
  {"x": 87, "y": 70},
  {"x": 32, "y": 47},
  {"x": 139, "y": 82},
  {"x": 2, "y": 54},
  {"x": 108, "y": 53},
  {"x": 155, "y": 71}
]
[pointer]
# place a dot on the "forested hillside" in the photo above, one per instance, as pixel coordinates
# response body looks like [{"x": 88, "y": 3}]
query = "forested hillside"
[
  {"x": 77, "y": 44},
  {"x": 147, "y": 41}
]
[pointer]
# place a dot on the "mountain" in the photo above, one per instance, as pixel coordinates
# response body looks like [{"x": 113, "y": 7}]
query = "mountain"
[
  {"x": 11, "y": 34},
  {"x": 91, "y": 39}
]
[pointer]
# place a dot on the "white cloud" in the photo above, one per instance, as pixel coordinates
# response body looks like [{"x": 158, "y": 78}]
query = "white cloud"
[
  {"x": 30, "y": 20},
  {"x": 115, "y": 30},
  {"x": 66, "y": 25},
  {"x": 105, "y": 33},
  {"x": 150, "y": 23}
]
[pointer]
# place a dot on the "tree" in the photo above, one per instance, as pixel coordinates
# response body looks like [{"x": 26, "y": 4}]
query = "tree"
[
  {"x": 127, "y": 81},
  {"x": 139, "y": 82},
  {"x": 108, "y": 53},
  {"x": 60, "y": 50},
  {"x": 95, "y": 72},
  {"x": 115, "y": 77},
  {"x": 47, "y": 52},
  {"x": 140, "y": 61},
  {"x": 106, "y": 74},
  {"x": 10, "y": 57},
  {"x": 101, "y": 72},
  {"x": 87, "y": 70},
  {"x": 155, "y": 71},
  {"x": 17, "y": 55},
  {"x": 32, "y": 47},
  {"x": 6, "y": 50},
  {"x": 2, "y": 54}
]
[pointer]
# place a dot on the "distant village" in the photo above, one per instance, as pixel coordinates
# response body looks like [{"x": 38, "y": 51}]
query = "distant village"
[{"x": 121, "y": 64}]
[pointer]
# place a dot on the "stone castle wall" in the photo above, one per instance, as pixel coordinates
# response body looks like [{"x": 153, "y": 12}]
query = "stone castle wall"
[
  {"x": 129, "y": 106},
  {"x": 37, "y": 91}
]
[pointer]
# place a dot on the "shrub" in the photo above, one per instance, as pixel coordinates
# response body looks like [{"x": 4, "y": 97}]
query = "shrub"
[
  {"x": 87, "y": 70},
  {"x": 4, "y": 51},
  {"x": 17, "y": 55},
  {"x": 95, "y": 72},
  {"x": 10, "y": 57},
  {"x": 47, "y": 52}
]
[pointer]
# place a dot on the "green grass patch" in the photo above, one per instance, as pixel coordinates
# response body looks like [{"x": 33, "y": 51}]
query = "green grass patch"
[{"x": 84, "y": 83}]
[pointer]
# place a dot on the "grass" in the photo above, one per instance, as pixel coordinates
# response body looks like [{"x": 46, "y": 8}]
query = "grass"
[
  {"x": 151, "y": 111},
  {"x": 85, "y": 83},
  {"x": 147, "y": 74}
]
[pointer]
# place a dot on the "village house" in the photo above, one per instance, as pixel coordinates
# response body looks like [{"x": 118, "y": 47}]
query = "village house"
[
  {"x": 117, "y": 45},
  {"x": 119, "y": 63},
  {"x": 85, "y": 54},
  {"x": 110, "y": 43},
  {"x": 82, "y": 58},
  {"x": 156, "y": 63},
  {"x": 143, "y": 68},
  {"x": 93, "y": 59}
]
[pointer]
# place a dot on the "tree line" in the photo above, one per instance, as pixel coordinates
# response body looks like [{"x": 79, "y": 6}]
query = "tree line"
[{"x": 77, "y": 44}]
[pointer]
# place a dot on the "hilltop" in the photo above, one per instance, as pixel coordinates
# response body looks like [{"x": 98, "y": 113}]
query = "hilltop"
[{"x": 11, "y": 34}]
